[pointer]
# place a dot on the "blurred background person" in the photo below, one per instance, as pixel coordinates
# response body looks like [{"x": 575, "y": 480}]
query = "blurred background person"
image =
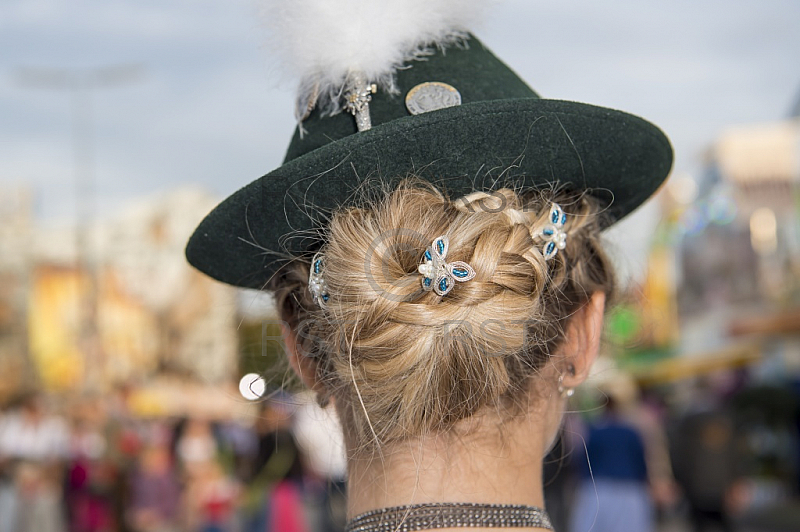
[
  {"x": 195, "y": 446},
  {"x": 319, "y": 436},
  {"x": 275, "y": 489},
  {"x": 33, "y": 452},
  {"x": 709, "y": 460},
  {"x": 210, "y": 493},
  {"x": 92, "y": 471},
  {"x": 155, "y": 493},
  {"x": 210, "y": 500},
  {"x": 613, "y": 493}
]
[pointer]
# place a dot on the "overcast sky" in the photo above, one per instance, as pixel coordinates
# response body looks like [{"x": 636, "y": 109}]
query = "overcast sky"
[{"x": 211, "y": 109}]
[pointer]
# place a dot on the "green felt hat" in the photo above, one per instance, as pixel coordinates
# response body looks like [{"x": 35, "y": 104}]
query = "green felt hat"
[{"x": 502, "y": 133}]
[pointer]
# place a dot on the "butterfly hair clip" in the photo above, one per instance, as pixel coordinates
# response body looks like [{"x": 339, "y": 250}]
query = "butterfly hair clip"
[
  {"x": 316, "y": 282},
  {"x": 552, "y": 234},
  {"x": 438, "y": 274}
]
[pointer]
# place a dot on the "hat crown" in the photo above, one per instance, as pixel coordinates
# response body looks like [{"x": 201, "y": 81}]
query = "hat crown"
[{"x": 467, "y": 66}]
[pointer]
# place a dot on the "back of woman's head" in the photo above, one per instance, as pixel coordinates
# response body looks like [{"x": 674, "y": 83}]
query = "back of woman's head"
[{"x": 401, "y": 361}]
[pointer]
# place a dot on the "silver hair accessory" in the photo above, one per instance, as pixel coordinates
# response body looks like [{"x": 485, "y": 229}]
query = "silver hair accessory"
[
  {"x": 438, "y": 274},
  {"x": 428, "y": 516},
  {"x": 357, "y": 97},
  {"x": 552, "y": 234},
  {"x": 316, "y": 282}
]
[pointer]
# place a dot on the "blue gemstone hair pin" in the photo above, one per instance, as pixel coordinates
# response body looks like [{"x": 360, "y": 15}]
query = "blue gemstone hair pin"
[
  {"x": 438, "y": 274},
  {"x": 316, "y": 282},
  {"x": 552, "y": 234}
]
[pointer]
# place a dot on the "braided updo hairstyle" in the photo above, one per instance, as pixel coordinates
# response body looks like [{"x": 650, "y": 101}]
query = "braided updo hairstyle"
[{"x": 402, "y": 362}]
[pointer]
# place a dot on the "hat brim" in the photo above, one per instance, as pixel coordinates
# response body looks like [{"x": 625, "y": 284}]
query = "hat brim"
[{"x": 524, "y": 143}]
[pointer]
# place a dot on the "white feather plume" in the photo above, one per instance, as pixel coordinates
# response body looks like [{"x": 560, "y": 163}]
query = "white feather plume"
[{"x": 320, "y": 42}]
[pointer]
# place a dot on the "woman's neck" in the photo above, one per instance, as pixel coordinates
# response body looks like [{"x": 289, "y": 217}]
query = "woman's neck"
[{"x": 492, "y": 464}]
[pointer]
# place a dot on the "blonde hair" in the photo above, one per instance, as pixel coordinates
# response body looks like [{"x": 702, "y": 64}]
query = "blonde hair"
[{"x": 402, "y": 362}]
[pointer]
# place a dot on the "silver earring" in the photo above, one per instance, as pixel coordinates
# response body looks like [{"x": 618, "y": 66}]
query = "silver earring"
[{"x": 564, "y": 391}]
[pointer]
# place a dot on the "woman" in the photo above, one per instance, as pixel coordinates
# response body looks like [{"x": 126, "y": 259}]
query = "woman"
[{"x": 433, "y": 244}]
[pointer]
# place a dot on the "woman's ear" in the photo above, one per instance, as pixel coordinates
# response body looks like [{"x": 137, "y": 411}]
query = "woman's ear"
[
  {"x": 304, "y": 367},
  {"x": 582, "y": 341}
]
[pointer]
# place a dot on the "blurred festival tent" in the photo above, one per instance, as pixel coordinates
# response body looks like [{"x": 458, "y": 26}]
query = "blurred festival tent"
[
  {"x": 715, "y": 323},
  {"x": 722, "y": 286},
  {"x": 118, "y": 306},
  {"x": 16, "y": 226},
  {"x": 180, "y": 397}
]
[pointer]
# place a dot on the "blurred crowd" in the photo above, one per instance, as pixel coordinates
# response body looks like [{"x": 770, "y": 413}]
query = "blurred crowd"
[
  {"x": 712, "y": 453},
  {"x": 707, "y": 454},
  {"x": 90, "y": 466}
]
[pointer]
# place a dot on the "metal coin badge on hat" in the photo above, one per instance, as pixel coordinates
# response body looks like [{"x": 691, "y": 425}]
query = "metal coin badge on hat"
[{"x": 431, "y": 96}]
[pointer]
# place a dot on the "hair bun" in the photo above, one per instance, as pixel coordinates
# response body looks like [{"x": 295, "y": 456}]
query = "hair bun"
[{"x": 403, "y": 361}]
